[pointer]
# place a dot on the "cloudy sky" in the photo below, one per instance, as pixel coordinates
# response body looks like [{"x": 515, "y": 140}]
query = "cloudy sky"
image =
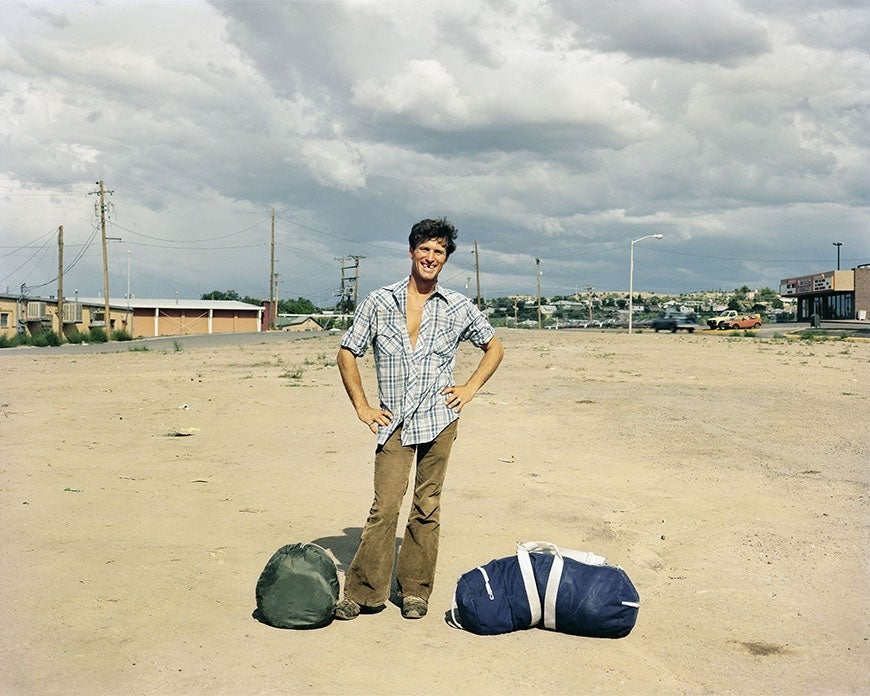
[{"x": 558, "y": 130}]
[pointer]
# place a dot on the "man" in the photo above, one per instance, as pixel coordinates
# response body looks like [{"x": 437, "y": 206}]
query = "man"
[{"x": 414, "y": 327}]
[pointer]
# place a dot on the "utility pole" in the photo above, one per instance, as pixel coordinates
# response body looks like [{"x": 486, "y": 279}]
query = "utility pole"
[
  {"x": 102, "y": 193},
  {"x": 129, "y": 312},
  {"x": 356, "y": 280},
  {"x": 477, "y": 271},
  {"x": 340, "y": 293},
  {"x": 349, "y": 284},
  {"x": 273, "y": 298},
  {"x": 60, "y": 281},
  {"x": 538, "y": 264}
]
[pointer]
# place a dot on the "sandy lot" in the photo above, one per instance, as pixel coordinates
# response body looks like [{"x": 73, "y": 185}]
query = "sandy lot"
[{"x": 728, "y": 476}]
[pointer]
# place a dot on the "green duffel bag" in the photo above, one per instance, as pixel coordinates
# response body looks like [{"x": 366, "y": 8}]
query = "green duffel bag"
[{"x": 298, "y": 588}]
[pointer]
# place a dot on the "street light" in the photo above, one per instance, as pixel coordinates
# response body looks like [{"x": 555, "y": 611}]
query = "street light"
[
  {"x": 838, "y": 245},
  {"x": 631, "y": 276}
]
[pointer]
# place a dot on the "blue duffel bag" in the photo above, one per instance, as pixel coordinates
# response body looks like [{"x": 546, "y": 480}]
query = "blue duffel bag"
[{"x": 563, "y": 590}]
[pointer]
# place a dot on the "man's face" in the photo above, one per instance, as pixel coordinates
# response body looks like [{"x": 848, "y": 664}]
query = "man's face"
[{"x": 428, "y": 258}]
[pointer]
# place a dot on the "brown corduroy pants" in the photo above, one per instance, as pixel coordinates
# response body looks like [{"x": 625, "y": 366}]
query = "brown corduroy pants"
[{"x": 367, "y": 580}]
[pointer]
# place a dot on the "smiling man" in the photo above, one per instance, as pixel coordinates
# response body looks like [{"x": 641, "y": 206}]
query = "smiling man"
[{"x": 414, "y": 327}]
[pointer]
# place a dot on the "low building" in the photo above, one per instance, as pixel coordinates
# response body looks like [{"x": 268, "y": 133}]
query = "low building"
[
  {"x": 141, "y": 318},
  {"x": 832, "y": 295},
  {"x": 33, "y": 315},
  {"x": 298, "y": 323}
]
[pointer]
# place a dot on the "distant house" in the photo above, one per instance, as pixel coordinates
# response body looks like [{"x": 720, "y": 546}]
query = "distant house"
[
  {"x": 298, "y": 323},
  {"x": 674, "y": 306}
]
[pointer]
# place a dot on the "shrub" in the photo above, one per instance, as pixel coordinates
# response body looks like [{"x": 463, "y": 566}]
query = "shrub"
[
  {"x": 97, "y": 334},
  {"x": 121, "y": 335},
  {"x": 45, "y": 338}
]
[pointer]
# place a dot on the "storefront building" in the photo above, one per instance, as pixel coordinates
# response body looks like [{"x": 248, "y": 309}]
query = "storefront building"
[{"x": 832, "y": 295}]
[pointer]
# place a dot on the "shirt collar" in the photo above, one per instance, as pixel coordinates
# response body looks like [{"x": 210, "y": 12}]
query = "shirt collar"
[{"x": 400, "y": 289}]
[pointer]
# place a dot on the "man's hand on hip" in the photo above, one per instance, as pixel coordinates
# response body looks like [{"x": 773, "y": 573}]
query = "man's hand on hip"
[
  {"x": 374, "y": 417},
  {"x": 458, "y": 396}
]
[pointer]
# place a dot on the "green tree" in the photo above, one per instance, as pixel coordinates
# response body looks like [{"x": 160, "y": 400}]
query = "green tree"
[
  {"x": 767, "y": 295},
  {"x": 739, "y": 296},
  {"x": 300, "y": 305},
  {"x": 230, "y": 296},
  {"x": 221, "y": 295}
]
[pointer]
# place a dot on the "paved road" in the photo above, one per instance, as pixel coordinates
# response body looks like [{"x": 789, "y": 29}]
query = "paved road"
[
  {"x": 167, "y": 343},
  {"x": 765, "y": 330},
  {"x": 170, "y": 343}
]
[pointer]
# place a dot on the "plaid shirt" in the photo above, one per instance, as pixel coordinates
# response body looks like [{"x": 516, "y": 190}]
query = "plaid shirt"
[{"x": 410, "y": 381}]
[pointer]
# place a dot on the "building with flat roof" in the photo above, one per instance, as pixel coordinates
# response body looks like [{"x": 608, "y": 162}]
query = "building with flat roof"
[
  {"x": 141, "y": 318},
  {"x": 842, "y": 295}
]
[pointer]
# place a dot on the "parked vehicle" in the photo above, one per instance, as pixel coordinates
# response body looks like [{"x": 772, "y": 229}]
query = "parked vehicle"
[
  {"x": 746, "y": 321},
  {"x": 675, "y": 321},
  {"x": 723, "y": 320}
]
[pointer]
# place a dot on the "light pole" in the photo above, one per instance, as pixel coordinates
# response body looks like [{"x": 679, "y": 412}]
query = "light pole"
[
  {"x": 631, "y": 276},
  {"x": 838, "y": 245}
]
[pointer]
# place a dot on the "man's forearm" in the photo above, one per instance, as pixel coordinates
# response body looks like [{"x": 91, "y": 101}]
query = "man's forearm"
[
  {"x": 374, "y": 418},
  {"x": 351, "y": 379},
  {"x": 493, "y": 352}
]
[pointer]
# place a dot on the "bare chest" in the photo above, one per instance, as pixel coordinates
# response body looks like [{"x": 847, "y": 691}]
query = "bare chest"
[{"x": 414, "y": 317}]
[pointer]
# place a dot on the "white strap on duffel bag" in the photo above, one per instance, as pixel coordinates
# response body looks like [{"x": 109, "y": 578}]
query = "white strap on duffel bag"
[{"x": 548, "y": 610}]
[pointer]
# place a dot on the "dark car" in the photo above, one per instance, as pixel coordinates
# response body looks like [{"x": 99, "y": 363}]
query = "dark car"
[{"x": 674, "y": 321}]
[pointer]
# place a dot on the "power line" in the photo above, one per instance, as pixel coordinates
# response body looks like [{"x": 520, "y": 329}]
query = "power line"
[
  {"x": 189, "y": 241},
  {"x": 207, "y": 248},
  {"x": 39, "y": 251},
  {"x": 47, "y": 235},
  {"x": 334, "y": 236}
]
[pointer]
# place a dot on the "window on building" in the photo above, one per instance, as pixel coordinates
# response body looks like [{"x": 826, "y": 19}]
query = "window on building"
[
  {"x": 828, "y": 306},
  {"x": 4, "y": 320}
]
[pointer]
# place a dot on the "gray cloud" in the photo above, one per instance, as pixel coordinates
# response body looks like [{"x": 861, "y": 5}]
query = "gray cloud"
[
  {"x": 692, "y": 32},
  {"x": 553, "y": 130}
]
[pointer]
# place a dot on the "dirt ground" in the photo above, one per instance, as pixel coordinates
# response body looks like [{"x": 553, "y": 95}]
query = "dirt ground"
[{"x": 141, "y": 493}]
